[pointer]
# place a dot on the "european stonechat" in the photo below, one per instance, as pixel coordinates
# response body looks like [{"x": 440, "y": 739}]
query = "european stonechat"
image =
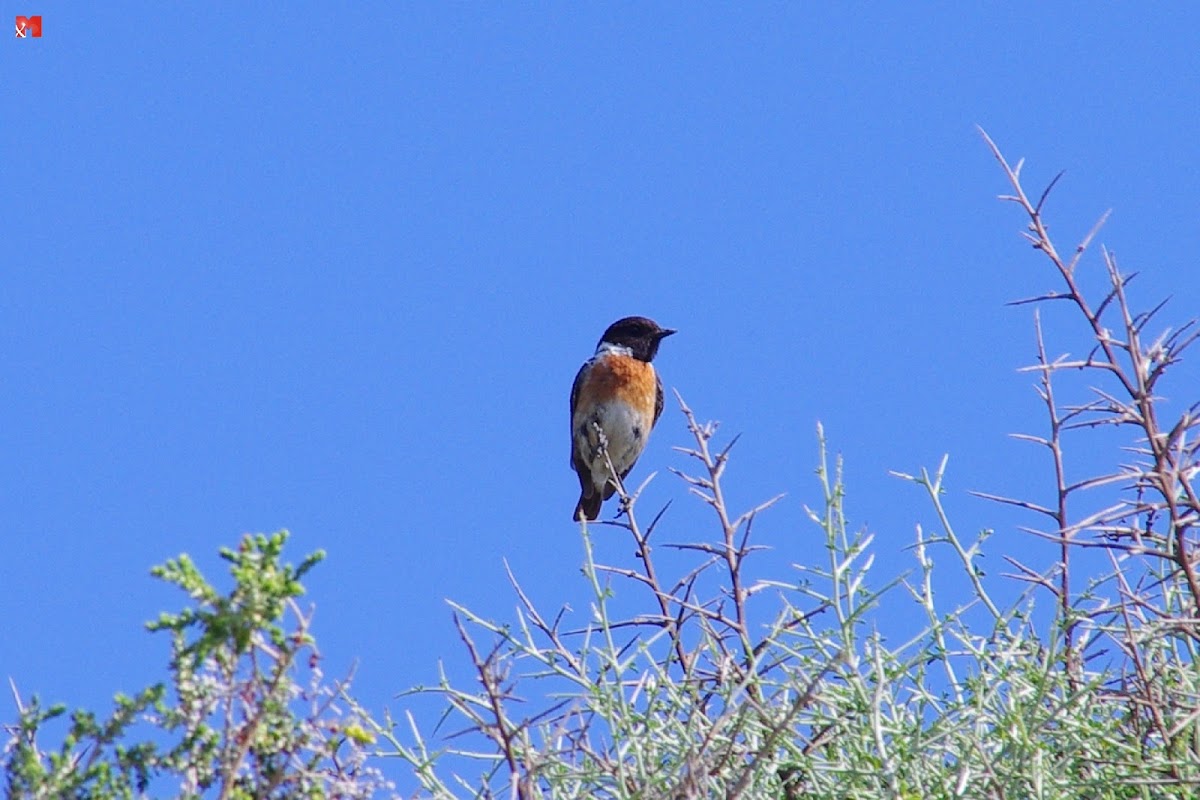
[{"x": 617, "y": 391}]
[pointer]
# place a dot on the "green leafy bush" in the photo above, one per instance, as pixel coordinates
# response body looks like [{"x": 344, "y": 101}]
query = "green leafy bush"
[{"x": 247, "y": 713}]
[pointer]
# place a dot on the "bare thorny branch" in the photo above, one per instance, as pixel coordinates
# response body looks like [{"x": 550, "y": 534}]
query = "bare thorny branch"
[
  {"x": 627, "y": 519},
  {"x": 733, "y": 547},
  {"x": 1163, "y": 483}
]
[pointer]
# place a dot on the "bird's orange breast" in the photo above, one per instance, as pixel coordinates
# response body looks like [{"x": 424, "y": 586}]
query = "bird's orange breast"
[{"x": 622, "y": 378}]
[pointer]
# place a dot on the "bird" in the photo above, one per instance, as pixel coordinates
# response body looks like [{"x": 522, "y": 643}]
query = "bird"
[{"x": 618, "y": 394}]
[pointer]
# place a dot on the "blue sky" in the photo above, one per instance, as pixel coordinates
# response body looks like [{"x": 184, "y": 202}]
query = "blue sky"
[{"x": 333, "y": 270}]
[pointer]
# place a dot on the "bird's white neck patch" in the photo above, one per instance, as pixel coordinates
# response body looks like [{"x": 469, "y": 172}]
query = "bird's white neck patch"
[{"x": 608, "y": 348}]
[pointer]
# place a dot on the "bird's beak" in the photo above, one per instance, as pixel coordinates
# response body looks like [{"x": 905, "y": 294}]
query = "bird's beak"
[{"x": 665, "y": 332}]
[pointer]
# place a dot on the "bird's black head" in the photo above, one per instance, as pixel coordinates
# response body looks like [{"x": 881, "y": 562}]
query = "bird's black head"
[{"x": 639, "y": 334}]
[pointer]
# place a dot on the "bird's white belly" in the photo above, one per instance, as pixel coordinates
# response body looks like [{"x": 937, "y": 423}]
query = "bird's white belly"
[{"x": 626, "y": 432}]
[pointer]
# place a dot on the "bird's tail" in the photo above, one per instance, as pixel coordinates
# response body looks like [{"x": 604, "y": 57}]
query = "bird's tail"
[{"x": 588, "y": 507}]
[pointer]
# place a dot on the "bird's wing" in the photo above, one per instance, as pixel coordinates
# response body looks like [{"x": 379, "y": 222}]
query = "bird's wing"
[
  {"x": 658, "y": 398},
  {"x": 575, "y": 464}
]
